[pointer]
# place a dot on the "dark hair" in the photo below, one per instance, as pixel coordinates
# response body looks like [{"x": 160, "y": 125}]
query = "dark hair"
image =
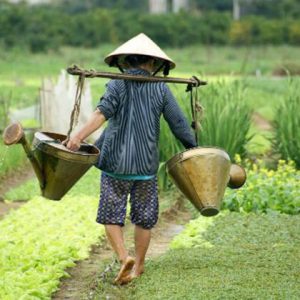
[{"x": 137, "y": 60}]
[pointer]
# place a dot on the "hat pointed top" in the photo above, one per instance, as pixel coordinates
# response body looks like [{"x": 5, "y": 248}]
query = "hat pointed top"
[{"x": 138, "y": 45}]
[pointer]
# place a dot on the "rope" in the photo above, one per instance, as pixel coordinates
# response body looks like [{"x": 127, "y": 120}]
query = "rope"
[
  {"x": 76, "y": 108},
  {"x": 196, "y": 108}
]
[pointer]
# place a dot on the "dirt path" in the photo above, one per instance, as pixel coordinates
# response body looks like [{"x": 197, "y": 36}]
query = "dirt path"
[
  {"x": 101, "y": 265},
  {"x": 261, "y": 122},
  {"x": 14, "y": 179},
  {"x": 9, "y": 182},
  {"x": 6, "y": 207}
]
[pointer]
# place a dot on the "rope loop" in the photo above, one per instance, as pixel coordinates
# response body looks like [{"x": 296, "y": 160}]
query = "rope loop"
[
  {"x": 76, "y": 109},
  {"x": 196, "y": 107}
]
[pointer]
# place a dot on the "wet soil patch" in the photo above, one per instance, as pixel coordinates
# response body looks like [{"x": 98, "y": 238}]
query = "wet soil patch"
[
  {"x": 6, "y": 207},
  {"x": 10, "y": 181}
]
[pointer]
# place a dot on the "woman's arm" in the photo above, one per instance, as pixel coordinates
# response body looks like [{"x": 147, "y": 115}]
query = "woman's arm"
[
  {"x": 177, "y": 121},
  {"x": 95, "y": 121}
]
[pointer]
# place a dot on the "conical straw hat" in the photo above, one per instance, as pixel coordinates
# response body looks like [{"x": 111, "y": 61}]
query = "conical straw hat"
[{"x": 139, "y": 45}]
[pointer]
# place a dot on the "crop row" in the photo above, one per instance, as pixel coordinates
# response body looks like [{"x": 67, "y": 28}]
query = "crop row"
[{"x": 41, "y": 239}]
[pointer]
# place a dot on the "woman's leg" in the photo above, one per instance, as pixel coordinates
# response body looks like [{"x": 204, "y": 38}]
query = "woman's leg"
[
  {"x": 114, "y": 234},
  {"x": 142, "y": 239},
  {"x": 144, "y": 214},
  {"x": 112, "y": 213}
]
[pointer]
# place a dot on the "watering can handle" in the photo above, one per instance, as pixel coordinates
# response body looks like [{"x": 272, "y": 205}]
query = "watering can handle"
[
  {"x": 237, "y": 176},
  {"x": 65, "y": 142}
]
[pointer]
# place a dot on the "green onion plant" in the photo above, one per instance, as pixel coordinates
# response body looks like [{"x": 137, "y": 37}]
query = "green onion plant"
[
  {"x": 286, "y": 141},
  {"x": 226, "y": 118}
]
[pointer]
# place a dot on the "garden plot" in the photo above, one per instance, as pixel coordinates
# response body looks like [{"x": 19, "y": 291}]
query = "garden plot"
[
  {"x": 230, "y": 253},
  {"x": 42, "y": 238},
  {"x": 235, "y": 256}
]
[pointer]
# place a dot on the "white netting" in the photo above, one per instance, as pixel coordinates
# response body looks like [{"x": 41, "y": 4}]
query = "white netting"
[{"x": 57, "y": 102}]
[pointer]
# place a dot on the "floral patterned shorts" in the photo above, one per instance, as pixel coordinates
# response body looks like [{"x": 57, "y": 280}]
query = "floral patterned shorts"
[{"x": 113, "y": 201}]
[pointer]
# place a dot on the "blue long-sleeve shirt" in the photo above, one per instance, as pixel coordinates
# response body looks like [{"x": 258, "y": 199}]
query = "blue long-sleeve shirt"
[{"x": 129, "y": 144}]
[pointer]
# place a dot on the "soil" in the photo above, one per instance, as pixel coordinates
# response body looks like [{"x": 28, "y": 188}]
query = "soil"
[
  {"x": 261, "y": 122},
  {"x": 11, "y": 181},
  {"x": 88, "y": 274},
  {"x": 6, "y": 207}
]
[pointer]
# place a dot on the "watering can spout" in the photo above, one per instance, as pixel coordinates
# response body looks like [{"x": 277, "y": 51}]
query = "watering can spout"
[
  {"x": 14, "y": 134},
  {"x": 56, "y": 167}
]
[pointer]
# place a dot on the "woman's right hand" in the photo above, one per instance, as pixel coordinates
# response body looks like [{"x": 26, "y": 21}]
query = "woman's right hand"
[
  {"x": 93, "y": 123},
  {"x": 73, "y": 143}
]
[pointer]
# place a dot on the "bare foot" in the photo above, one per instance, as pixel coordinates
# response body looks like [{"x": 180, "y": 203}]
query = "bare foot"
[
  {"x": 137, "y": 271},
  {"x": 125, "y": 270},
  {"x": 131, "y": 276}
]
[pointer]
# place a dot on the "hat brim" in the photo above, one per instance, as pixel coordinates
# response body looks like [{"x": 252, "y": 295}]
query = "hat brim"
[
  {"x": 138, "y": 45},
  {"x": 122, "y": 63}
]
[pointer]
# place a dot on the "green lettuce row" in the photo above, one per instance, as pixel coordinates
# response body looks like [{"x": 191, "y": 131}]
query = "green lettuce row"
[
  {"x": 229, "y": 229},
  {"x": 191, "y": 236},
  {"x": 40, "y": 240}
]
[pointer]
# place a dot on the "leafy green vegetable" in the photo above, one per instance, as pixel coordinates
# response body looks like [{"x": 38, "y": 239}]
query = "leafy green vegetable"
[
  {"x": 267, "y": 190},
  {"x": 40, "y": 240}
]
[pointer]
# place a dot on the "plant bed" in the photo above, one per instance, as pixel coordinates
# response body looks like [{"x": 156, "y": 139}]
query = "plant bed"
[
  {"x": 40, "y": 240},
  {"x": 233, "y": 256}
]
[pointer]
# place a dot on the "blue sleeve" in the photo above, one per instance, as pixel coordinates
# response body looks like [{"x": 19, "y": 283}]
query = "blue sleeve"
[
  {"x": 99, "y": 142},
  {"x": 109, "y": 102},
  {"x": 177, "y": 121}
]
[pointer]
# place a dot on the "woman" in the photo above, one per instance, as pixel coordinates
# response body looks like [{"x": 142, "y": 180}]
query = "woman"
[{"x": 129, "y": 147}]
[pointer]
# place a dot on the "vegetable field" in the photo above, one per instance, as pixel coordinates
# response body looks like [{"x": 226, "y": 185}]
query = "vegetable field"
[{"x": 249, "y": 251}]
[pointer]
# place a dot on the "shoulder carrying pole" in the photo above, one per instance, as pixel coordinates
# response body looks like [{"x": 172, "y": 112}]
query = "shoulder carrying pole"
[{"x": 75, "y": 70}]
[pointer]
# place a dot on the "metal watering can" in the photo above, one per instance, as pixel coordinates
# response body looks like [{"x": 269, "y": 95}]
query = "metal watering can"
[
  {"x": 202, "y": 175},
  {"x": 56, "y": 167}
]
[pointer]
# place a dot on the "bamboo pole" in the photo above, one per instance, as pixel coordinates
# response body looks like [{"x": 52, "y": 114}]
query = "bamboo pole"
[{"x": 75, "y": 70}]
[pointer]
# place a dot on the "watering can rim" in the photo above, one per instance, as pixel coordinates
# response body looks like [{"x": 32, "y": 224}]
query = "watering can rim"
[
  {"x": 42, "y": 140},
  {"x": 205, "y": 150}
]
